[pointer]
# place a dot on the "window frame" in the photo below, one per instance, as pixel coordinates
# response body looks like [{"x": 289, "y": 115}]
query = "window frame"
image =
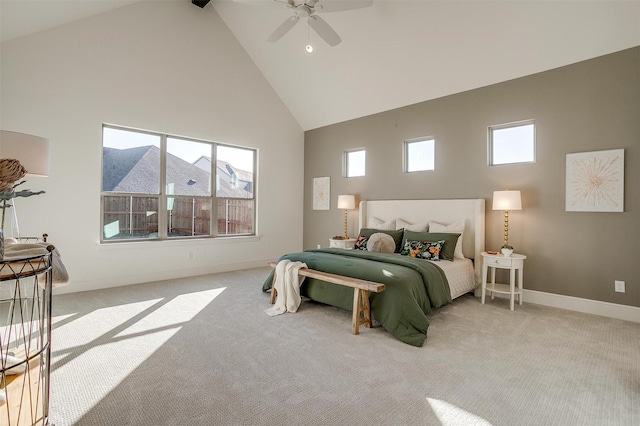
[
  {"x": 163, "y": 196},
  {"x": 405, "y": 153},
  {"x": 345, "y": 162},
  {"x": 490, "y": 137}
]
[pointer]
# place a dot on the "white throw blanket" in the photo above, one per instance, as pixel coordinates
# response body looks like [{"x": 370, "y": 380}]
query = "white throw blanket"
[
  {"x": 287, "y": 285},
  {"x": 15, "y": 250}
]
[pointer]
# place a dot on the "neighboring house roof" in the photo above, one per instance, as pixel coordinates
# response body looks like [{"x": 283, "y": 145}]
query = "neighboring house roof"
[
  {"x": 204, "y": 162},
  {"x": 118, "y": 164},
  {"x": 135, "y": 170},
  {"x": 244, "y": 179}
]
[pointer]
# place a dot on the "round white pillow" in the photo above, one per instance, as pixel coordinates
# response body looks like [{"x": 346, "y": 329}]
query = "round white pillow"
[{"x": 381, "y": 242}]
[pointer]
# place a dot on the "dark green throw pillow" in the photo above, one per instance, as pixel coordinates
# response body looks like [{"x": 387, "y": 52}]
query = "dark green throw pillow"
[
  {"x": 396, "y": 235},
  {"x": 448, "y": 248}
]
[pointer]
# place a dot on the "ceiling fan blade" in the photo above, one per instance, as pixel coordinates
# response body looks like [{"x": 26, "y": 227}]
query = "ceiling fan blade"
[
  {"x": 323, "y": 29},
  {"x": 279, "y": 4},
  {"x": 283, "y": 28},
  {"x": 324, "y": 6}
]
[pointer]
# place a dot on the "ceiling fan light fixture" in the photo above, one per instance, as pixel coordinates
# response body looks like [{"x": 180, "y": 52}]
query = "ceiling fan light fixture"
[{"x": 308, "y": 9}]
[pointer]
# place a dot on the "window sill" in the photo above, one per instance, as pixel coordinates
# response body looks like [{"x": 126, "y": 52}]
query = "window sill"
[{"x": 182, "y": 241}]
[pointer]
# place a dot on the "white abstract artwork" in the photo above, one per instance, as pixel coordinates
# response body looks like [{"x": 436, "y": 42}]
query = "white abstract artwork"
[
  {"x": 595, "y": 181},
  {"x": 321, "y": 194}
]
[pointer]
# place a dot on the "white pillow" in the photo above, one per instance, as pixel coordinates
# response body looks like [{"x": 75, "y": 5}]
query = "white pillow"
[
  {"x": 382, "y": 225},
  {"x": 456, "y": 227},
  {"x": 418, "y": 227},
  {"x": 382, "y": 243}
]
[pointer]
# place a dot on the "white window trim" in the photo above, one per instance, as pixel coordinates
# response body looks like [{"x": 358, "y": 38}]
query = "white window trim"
[
  {"x": 345, "y": 162},
  {"x": 405, "y": 153},
  {"x": 490, "y": 130},
  {"x": 163, "y": 196}
]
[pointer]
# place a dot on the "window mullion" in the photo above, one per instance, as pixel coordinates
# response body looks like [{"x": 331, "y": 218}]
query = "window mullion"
[
  {"x": 162, "y": 205},
  {"x": 213, "y": 219}
]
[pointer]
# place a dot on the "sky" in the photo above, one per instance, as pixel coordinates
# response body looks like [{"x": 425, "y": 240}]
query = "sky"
[{"x": 513, "y": 144}]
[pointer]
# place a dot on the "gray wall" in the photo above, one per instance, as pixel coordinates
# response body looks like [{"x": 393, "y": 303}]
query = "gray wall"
[{"x": 588, "y": 106}]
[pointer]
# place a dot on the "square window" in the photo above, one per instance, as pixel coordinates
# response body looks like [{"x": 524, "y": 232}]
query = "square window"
[
  {"x": 355, "y": 163},
  {"x": 512, "y": 143},
  {"x": 419, "y": 155}
]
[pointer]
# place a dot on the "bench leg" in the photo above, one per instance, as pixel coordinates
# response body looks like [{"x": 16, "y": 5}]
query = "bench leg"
[
  {"x": 274, "y": 293},
  {"x": 361, "y": 310}
]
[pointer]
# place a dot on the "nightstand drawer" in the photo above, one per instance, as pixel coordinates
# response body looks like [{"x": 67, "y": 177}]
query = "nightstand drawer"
[
  {"x": 343, "y": 244},
  {"x": 499, "y": 262}
]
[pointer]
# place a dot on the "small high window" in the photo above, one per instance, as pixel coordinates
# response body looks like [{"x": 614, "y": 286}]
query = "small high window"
[
  {"x": 512, "y": 143},
  {"x": 419, "y": 155},
  {"x": 354, "y": 163}
]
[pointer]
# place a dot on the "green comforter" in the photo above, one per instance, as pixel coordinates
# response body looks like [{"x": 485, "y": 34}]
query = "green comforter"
[{"x": 414, "y": 287}]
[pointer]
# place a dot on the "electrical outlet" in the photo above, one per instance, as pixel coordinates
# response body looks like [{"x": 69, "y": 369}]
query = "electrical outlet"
[
  {"x": 619, "y": 286},
  {"x": 190, "y": 255}
]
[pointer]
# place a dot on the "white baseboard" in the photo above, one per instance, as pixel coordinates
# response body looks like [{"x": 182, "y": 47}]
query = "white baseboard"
[
  {"x": 596, "y": 307},
  {"x": 587, "y": 306},
  {"x": 159, "y": 275},
  {"x": 606, "y": 309}
]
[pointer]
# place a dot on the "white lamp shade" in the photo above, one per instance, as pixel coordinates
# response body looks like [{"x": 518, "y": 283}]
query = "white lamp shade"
[
  {"x": 31, "y": 151},
  {"x": 507, "y": 200},
  {"x": 347, "y": 202}
]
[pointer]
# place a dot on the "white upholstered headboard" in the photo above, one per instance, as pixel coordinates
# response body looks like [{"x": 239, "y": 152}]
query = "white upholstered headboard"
[{"x": 442, "y": 211}]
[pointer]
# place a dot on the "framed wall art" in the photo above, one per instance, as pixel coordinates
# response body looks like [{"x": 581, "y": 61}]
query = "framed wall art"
[
  {"x": 595, "y": 181},
  {"x": 321, "y": 193}
]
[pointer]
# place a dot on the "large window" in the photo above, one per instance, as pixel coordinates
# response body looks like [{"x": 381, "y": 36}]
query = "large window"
[
  {"x": 419, "y": 155},
  {"x": 512, "y": 143},
  {"x": 157, "y": 186},
  {"x": 354, "y": 163}
]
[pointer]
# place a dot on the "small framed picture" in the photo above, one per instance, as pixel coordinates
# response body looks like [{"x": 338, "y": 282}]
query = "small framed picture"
[{"x": 321, "y": 193}]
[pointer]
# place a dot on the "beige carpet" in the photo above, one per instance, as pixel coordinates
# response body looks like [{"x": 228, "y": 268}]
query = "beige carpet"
[{"x": 201, "y": 351}]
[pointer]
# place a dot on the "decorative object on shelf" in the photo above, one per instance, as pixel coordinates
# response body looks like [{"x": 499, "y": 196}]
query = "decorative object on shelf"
[
  {"x": 20, "y": 155},
  {"x": 507, "y": 200},
  {"x": 321, "y": 193},
  {"x": 346, "y": 202},
  {"x": 595, "y": 181},
  {"x": 506, "y": 251}
]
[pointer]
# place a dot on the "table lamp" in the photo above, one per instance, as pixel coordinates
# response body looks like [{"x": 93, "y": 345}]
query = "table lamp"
[
  {"x": 346, "y": 202},
  {"x": 507, "y": 200}
]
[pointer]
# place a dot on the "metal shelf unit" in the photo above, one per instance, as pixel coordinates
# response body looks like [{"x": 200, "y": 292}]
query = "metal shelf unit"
[{"x": 25, "y": 339}]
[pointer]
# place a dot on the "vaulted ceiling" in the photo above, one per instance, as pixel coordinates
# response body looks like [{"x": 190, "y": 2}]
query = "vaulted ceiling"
[{"x": 394, "y": 53}]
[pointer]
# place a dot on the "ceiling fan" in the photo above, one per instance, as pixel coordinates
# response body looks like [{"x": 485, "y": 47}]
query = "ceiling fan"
[{"x": 308, "y": 9}]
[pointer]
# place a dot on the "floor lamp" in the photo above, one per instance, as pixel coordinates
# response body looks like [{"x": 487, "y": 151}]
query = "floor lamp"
[{"x": 33, "y": 154}]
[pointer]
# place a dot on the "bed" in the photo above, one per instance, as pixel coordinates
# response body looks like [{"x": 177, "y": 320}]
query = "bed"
[{"x": 414, "y": 287}]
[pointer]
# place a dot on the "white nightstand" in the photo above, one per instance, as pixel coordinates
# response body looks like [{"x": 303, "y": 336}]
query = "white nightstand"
[
  {"x": 343, "y": 244},
  {"x": 515, "y": 263}
]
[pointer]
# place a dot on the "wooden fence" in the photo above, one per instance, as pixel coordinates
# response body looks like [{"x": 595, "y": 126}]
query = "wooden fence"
[
  {"x": 136, "y": 216},
  {"x": 133, "y": 216},
  {"x": 235, "y": 216}
]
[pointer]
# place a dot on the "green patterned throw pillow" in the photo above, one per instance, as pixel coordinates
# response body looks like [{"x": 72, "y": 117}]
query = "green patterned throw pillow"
[{"x": 429, "y": 250}]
